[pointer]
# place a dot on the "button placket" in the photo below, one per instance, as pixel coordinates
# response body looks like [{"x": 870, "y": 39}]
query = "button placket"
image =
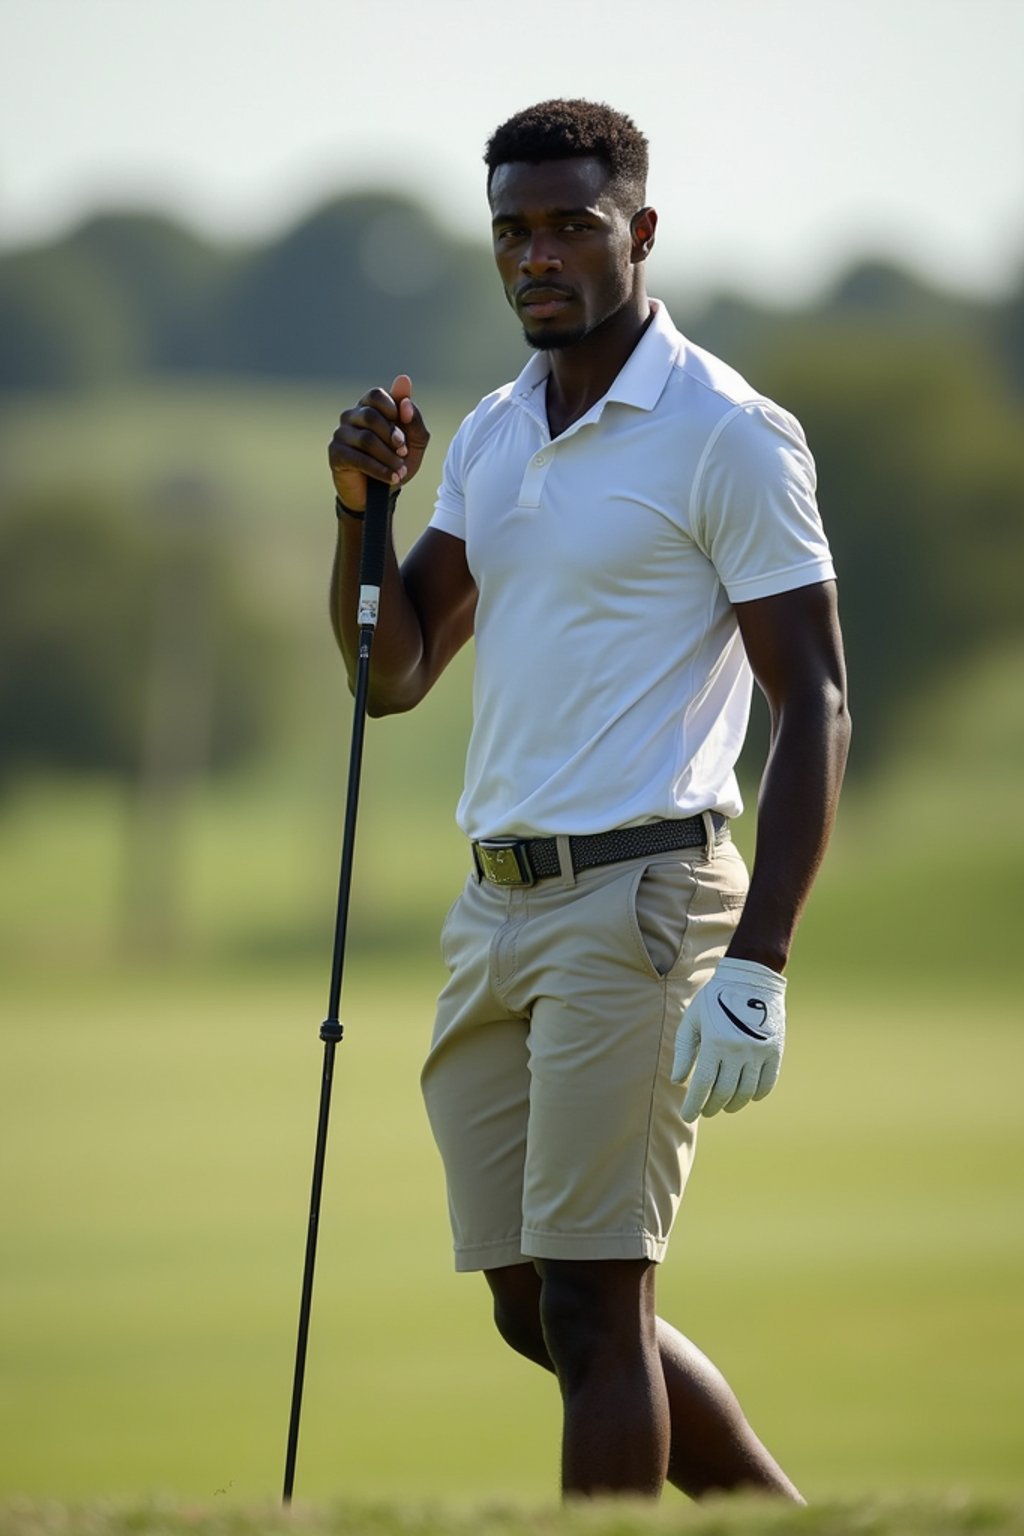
[{"x": 534, "y": 477}]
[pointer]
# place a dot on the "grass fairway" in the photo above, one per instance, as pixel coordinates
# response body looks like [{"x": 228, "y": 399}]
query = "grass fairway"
[
  {"x": 857, "y": 1274},
  {"x": 954, "y": 1515}
]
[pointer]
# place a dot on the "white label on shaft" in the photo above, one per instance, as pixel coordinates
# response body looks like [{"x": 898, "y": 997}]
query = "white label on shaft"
[{"x": 369, "y": 601}]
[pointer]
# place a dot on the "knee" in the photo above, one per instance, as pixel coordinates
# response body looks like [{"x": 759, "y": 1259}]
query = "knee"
[
  {"x": 572, "y": 1318},
  {"x": 516, "y": 1313},
  {"x": 592, "y": 1313},
  {"x": 519, "y": 1329}
]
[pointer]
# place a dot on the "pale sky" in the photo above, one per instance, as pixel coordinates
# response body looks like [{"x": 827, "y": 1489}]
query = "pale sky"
[{"x": 787, "y": 136}]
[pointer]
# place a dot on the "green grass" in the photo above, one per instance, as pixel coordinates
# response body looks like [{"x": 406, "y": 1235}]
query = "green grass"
[
  {"x": 851, "y": 1251},
  {"x": 953, "y": 1515}
]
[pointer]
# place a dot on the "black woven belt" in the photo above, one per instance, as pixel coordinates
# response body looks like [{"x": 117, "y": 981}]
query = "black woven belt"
[{"x": 515, "y": 861}]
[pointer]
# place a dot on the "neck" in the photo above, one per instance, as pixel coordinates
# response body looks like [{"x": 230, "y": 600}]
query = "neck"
[{"x": 582, "y": 373}]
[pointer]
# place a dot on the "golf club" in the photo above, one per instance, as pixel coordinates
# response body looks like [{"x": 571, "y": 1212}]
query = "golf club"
[{"x": 371, "y": 575}]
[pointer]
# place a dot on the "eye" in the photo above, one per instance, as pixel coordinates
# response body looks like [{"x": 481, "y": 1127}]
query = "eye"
[{"x": 510, "y": 232}]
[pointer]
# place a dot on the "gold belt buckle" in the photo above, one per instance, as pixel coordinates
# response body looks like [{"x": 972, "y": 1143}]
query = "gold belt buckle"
[{"x": 503, "y": 861}]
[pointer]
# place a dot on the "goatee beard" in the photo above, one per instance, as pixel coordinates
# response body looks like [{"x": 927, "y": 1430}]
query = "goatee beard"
[{"x": 554, "y": 341}]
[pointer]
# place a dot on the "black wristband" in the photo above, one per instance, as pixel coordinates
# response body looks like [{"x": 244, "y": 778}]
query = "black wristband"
[{"x": 340, "y": 509}]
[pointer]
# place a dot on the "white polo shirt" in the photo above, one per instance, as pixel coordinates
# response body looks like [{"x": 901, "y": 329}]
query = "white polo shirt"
[{"x": 611, "y": 685}]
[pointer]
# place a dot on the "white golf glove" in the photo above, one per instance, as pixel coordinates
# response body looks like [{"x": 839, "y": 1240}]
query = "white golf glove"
[{"x": 730, "y": 1041}]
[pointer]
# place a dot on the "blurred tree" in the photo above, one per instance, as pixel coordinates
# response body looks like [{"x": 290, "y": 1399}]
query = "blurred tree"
[
  {"x": 170, "y": 284},
  {"x": 62, "y": 322},
  {"x": 920, "y": 460},
  {"x": 366, "y": 287},
  {"x": 122, "y": 294},
  {"x": 369, "y": 284},
  {"x": 1007, "y": 329},
  {"x": 84, "y": 594},
  {"x": 878, "y": 289}
]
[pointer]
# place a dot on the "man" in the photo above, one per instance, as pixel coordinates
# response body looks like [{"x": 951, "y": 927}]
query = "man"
[{"x": 629, "y": 532}]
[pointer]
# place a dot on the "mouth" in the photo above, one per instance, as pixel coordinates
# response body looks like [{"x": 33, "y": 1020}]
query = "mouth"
[{"x": 542, "y": 303}]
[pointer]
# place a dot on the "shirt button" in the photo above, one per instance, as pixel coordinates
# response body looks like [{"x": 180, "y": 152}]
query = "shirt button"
[{"x": 538, "y": 459}]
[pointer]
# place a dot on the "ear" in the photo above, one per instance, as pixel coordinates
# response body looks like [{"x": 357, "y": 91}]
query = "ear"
[{"x": 641, "y": 232}]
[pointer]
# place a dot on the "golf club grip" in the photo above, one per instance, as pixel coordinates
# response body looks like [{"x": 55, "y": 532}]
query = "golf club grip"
[{"x": 375, "y": 534}]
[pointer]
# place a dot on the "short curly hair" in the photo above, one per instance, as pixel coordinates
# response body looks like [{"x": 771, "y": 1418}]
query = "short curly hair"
[{"x": 566, "y": 129}]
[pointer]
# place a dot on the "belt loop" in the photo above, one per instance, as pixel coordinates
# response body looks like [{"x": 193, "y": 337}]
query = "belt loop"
[
  {"x": 710, "y": 839},
  {"x": 565, "y": 865}
]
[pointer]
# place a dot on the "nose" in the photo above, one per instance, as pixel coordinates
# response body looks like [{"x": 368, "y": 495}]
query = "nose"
[{"x": 539, "y": 257}]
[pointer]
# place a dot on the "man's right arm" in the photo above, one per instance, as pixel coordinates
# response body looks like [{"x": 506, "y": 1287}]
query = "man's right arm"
[{"x": 427, "y": 605}]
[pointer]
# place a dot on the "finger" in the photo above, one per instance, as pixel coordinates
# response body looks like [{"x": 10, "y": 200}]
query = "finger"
[
  {"x": 723, "y": 1089},
  {"x": 687, "y": 1045},
  {"x": 745, "y": 1089},
  {"x": 382, "y": 401},
  {"x": 401, "y": 393},
  {"x": 769, "y": 1077},
  {"x": 409, "y": 412},
  {"x": 370, "y": 419},
  {"x": 701, "y": 1085},
  {"x": 366, "y": 465},
  {"x": 368, "y": 414},
  {"x": 353, "y": 447}
]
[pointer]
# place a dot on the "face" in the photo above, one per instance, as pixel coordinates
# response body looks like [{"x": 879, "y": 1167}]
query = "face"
[{"x": 568, "y": 255}]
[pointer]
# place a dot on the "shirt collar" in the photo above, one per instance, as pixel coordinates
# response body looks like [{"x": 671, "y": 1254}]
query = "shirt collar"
[{"x": 642, "y": 377}]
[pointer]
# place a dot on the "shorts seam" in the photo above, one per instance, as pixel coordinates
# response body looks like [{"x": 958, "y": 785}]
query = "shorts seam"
[
  {"x": 491, "y": 1242},
  {"x": 645, "y": 1179},
  {"x": 644, "y": 1233},
  {"x": 635, "y": 1243},
  {"x": 480, "y": 1256}
]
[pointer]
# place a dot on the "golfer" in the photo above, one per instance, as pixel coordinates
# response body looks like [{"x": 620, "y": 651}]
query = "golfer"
[{"x": 629, "y": 533}]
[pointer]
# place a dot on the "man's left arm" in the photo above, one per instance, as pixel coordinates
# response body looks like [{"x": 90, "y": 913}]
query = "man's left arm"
[
  {"x": 729, "y": 1044},
  {"x": 795, "y": 650}
]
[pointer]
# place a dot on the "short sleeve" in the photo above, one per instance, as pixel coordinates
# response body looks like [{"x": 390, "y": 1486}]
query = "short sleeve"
[
  {"x": 755, "y": 512},
  {"x": 450, "y": 504}
]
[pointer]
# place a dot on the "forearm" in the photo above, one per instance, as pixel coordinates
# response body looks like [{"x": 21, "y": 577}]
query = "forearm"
[
  {"x": 422, "y": 613},
  {"x": 397, "y": 650},
  {"x": 795, "y": 815}
]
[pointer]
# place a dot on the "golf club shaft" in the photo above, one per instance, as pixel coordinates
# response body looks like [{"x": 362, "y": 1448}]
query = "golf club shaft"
[{"x": 371, "y": 574}]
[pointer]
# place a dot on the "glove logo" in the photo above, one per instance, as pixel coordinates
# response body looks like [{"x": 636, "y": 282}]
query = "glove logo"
[{"x": 752, "y": 1002}]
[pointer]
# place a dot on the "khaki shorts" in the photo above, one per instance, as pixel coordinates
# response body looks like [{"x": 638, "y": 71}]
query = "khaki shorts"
[{"x": 547, "y": 1083}]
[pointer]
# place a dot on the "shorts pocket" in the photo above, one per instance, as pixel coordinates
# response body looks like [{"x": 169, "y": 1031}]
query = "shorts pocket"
[
  {"x": 726, "y": 879},
  {"x": 660, "y": 908},
  {"x": 446, "y": 933}
]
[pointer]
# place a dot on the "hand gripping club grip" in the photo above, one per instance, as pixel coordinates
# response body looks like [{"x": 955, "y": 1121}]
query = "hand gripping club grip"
[{"x": 375, "y": 543}]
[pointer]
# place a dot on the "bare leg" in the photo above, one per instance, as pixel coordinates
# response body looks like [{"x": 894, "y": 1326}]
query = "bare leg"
[
  {"x": 600, "y": 1331},
  {"x": 712, "y": 1447}
]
